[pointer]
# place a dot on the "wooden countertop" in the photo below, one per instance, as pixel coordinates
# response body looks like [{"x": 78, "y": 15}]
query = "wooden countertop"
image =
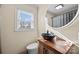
[{"x": 58, "y": 44}]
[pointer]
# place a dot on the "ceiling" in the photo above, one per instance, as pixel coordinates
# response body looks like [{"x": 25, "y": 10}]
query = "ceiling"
[{"x": 66, "y": 8}]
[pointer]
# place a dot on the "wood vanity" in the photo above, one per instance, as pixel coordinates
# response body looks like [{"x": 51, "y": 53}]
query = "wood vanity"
[{"x": 56, "y": 46}]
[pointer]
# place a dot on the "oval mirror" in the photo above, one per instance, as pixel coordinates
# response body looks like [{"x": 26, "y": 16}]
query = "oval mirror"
[{"x": 59, "y": 15}]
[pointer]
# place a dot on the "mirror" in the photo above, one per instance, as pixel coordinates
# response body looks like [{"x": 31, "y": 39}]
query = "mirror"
[{"x": 59, "y": 15}]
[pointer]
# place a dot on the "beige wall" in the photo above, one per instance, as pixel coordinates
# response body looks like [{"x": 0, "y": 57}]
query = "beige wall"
[
  {"x": 41, "y": 16},
  {"x": 15, "y": 42},
  {"x": 12, "y": 41}
]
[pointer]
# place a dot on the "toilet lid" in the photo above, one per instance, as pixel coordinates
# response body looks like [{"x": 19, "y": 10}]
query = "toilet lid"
[{"x": 32, "y": 46}]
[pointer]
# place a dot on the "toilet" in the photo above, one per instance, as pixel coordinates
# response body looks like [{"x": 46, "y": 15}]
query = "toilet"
[{"x": 32, "y": 48}]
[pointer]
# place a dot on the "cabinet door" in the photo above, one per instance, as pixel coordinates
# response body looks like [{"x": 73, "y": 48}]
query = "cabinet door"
[{"x": 40, "y": 48}]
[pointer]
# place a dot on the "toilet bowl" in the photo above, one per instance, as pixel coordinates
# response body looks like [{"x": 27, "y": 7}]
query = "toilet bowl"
[{"x": 32, "y": 48}]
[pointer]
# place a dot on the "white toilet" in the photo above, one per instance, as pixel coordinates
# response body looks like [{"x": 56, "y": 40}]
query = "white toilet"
[{"x": 32, "y": 48}]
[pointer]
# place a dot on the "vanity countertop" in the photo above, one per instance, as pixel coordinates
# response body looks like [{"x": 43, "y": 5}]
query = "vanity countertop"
[{"x": 57, "y": 44}]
